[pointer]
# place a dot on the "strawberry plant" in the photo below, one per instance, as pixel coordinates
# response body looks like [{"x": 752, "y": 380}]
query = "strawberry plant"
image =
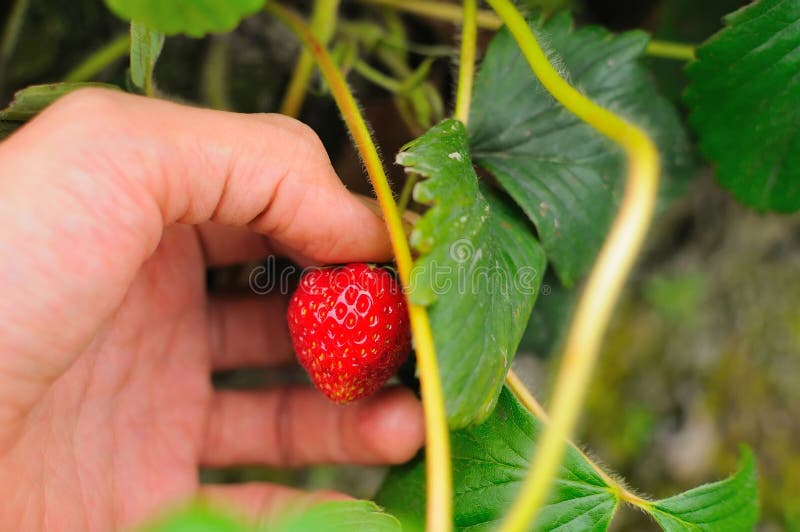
[{"x": 542, "y": 172}]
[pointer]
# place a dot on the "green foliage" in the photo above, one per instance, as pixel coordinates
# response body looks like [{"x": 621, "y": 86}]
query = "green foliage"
[
  {"x": 197, "y": 517},
  {"x": 29, "y": 101},
  {"x": 681, "y": 21},
  {"x": 146, "y": 46},
  {"x": 479, "y": 267},
  {"x": 479, "y": 271},
  {"x": 744, "y": 98},
  {"x": 563, "y": 174},
  {"x": 333, "y": 516},
  {"x": 339, "y": 516},
  {"x": 491, "y": 460},
  {"x": 547, "y": 6},
  {"x": 676, "y": 296},
  {"x": 489, "y": 463},
  {"x": 730, "y": 505},
  {"x": 186, "y": 16},
  {"x": 549, "y": 320}
]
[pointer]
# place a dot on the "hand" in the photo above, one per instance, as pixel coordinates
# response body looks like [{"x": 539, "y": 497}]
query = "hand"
[{"x": 111, "y": 208}]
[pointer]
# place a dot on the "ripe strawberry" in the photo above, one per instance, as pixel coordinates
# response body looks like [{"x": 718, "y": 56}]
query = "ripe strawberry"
[{"x": 350, "y": 329}]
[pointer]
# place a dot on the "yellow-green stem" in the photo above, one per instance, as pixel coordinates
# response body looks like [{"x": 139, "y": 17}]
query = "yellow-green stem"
[
  {"x": 488, "y": 20},
  {"x": 323, "y": 22},
  {"x": 100, "y": 59},
  {"x": 466, "y": 65},
  {"x": 214, "y": 78},
  {"x": 355, "y": 32},
  {"x": 527, "y": 399},
  {"x": 377, "y": 77},
  {"x": 11, "y": 32},
  {"x": 407, "y": 192},
  {"x": 440, "y": 11},
  {"x": 606, "y": 279},
  {"x": 533, "y": 406},
  {"x": 437, "y": 451},
  {"x": 670, "y": 50}
]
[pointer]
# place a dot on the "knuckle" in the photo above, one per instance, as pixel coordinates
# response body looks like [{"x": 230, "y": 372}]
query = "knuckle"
[
  {"x": 298, "y": 136},
  {"x": 87, "y": 113},
  {"x": 288, "y": 124},
  {"x": 87, "y": 103}
]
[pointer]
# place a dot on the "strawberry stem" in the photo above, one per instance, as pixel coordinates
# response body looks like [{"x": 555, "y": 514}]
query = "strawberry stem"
[
  {"x": 466, "y": 64},
  {"x": 438, "y": 10},
  {"x": 407, "y": 193},
  {"x": 524, "y": 396},
  {"x": 606, "y": 279},
  {"x": 323, "y": 22},
  {"x": 438, "y": 465},
  {"x": 100, "y": 59},
  {"x": 670, "y": 50},
  {"x": 488, "y": 20}
]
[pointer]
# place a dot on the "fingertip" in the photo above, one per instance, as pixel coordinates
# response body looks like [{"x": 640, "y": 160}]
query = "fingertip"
[
  {"x": 357, "y": 233},
  {"x": 393, "y": 424},
  {"x": 375, "y": 245}
]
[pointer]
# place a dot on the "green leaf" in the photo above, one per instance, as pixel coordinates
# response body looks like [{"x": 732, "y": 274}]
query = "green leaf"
[
  {"x": 681, "y": 21},
  {"x": 563, "y": 174},
  {"x": 489, "y": 463},
  {"x": 28, "y": 102},
  {"x": 333, "y": 516},
  {"x": 479, "y": 271},
  {"x": 7, "y": 128},
  {"x": 191, "y": 17},
  {"x": 550, "y": 318},
  {"x": 744, "y": 99},
  {"x": 491, "y": 460},
  {"x": 339, "y": 516},
  {"x": 197, "y": 517},
  {"x": 730, "y": 505},
  {"x": 146, "y": 45}
]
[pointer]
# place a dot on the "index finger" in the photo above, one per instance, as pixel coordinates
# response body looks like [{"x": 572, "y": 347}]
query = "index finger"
[
  {"x": 91, "y": 183},
  {"x": 266, "y": 171}
]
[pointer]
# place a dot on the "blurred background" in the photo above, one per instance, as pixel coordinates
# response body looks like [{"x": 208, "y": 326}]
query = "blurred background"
[{"x": 704, "y": 351}]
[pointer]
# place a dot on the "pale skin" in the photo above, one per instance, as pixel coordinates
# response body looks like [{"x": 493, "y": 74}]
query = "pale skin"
[{"x": 112, "y": 206}]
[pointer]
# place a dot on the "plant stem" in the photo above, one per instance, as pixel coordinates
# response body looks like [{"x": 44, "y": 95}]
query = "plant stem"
[
  {"x": 395, "y": 86},
  {"x": 12, "y": 28},
  {"x": 408, "y": 189},
  {"x": 488, "y": 20},
  {"x": 323, "y": 22},
  {"x": 533, "y": 406},
  {"x": 355, "y": 31},
  {"x": 527, "y": 399},
  {"x": 214, "y": 78},
  {"x": 670, "y": 50},
  {"x": 11, "y": 35},
  {"x": 525, "y": 396},
  {"x": 439, "y": 10},
  {"x": 438, "y": 465},
  {"x": 100, "y": 59},
  {"x": 418, "y": 76},
  {"x": 146, "y": 46},
  {"x": 377, "y": 77},
  {"x": 466, "y": 65},
  {"x": 606, "y": 279}
]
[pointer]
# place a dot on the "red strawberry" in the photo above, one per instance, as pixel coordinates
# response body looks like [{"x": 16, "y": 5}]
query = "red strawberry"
[{"x": 350, "y": 329}]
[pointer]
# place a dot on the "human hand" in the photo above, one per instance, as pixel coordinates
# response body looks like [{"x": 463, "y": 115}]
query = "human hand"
[{"x": 111, "y": 208}]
